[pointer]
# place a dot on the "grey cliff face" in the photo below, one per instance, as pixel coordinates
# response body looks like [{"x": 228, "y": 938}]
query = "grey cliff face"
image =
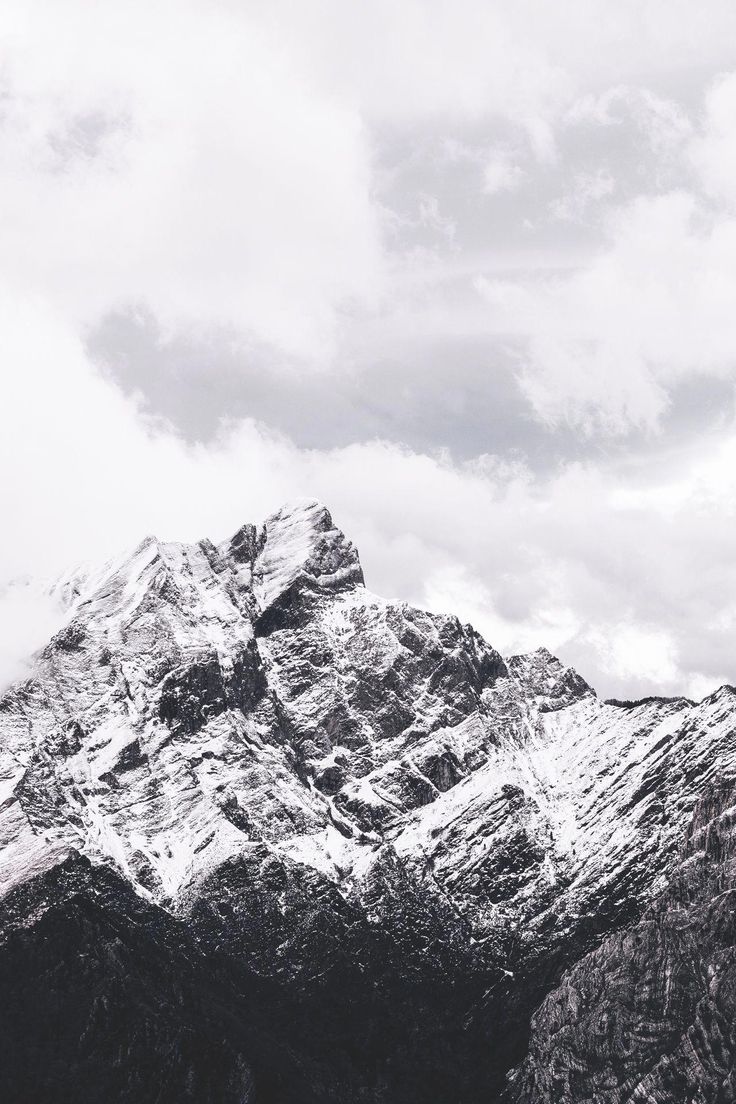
[
  {"x": 337, "y": 848},
  {"x": 650, "y": 1015}
]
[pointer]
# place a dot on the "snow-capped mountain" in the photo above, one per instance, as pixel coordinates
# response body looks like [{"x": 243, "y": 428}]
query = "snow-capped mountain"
[{"x": 311, "y": 845}]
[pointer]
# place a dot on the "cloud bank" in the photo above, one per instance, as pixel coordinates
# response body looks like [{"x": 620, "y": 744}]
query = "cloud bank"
[{"x": 338, "y": 202}]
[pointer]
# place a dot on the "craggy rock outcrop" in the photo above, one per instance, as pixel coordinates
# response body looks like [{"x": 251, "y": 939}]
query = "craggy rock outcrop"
[
  {"x": 650, "y": 1015},
  {"x": 380, "y": 844}
]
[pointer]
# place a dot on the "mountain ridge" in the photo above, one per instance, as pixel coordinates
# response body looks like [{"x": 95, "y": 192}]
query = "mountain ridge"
[{"x": 409, "y": 836}]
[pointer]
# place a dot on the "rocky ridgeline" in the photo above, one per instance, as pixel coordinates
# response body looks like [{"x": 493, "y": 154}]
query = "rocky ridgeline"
[{"x": 266, "y": 836}]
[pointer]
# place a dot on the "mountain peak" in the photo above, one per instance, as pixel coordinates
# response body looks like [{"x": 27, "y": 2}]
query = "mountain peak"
[
  {"x": 542, "y": 673},
  {"x": 301, "y": 542},
  {"x": 338, "y": 793}
]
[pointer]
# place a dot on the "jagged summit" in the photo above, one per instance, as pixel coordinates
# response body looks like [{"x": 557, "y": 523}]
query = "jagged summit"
[
  {"x": 376, "y": 721},
  {"x": 340, "y": 793},
  {"x": 543, "y": 674},
  {"x": 299, "y": 541},
  {"x": 300, "y": 544}
]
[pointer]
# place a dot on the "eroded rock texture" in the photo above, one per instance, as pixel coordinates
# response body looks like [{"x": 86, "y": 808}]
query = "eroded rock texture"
[{"x": 651, "y": 1014}]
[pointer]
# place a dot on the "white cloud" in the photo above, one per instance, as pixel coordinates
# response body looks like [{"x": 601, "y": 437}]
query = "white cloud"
[
  {"x": 28, "y": 619},
  {"x": 606, "y": 341},
  {"x": 636, "y": 653},
  {"x": 469, "y": 59},
  {"x": 180, "y": 160},
  {"x": 431, "y": 216},
  {"x": 603, "y": 344},
  {"x": 587, "y": 189},
  {"x": 531, "y": 562},
  {"x": 217, "y": 162},
  {"x": 415, "y": 60},
  {"x": 664, "y": 124},
  {"x": 501, "y": 174},
  {"x": 713, "y": 152}
]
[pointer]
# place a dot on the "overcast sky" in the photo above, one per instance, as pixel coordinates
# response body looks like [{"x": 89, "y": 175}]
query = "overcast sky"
[{"x": 464, "y": 270}]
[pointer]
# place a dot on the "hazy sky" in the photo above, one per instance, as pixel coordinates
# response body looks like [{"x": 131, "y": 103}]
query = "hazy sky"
[{"x": 466, "y": 271}]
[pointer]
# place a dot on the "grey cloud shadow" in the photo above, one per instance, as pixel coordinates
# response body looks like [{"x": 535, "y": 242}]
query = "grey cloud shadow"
[
  {"x": 458, "y": 394},
  {"x": 431, "y": 398}
]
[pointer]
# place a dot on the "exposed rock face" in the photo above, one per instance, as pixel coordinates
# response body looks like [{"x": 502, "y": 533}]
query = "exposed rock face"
[
  {"x": 651, "y": 1014},
  {"x": 379, "y": 842}
]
